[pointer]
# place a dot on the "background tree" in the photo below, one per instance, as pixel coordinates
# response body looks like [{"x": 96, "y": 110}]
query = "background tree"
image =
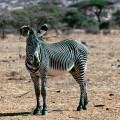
[
  {"x": 39, "y": 14},
  {"x": 95, "y": 6},
  {"x": 81, "y": 16},
  {"x": 21, "y": 17}
]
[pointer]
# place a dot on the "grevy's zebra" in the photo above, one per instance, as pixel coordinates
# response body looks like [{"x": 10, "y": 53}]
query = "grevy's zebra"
[{"x": 44, "y": 59}]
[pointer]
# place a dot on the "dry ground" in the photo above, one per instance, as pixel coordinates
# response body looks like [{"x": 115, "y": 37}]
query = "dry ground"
[{"x": 17, "y": 99}]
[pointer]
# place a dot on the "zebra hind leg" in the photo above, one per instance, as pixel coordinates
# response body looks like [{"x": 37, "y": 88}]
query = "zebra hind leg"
[
  {"x": 86, "y": 98},
  {"x": 80, "y": 80},
  {"x": 83, "y": 98},
  {"x": 37, "y": 92},
  {"x": 80, "y": 70}
]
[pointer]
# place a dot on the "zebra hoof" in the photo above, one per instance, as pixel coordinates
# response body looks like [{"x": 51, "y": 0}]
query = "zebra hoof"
[
  {"x": 44, "y": 112},
  {"x": 79, "y": 108},
  {"x": 36, "y": 111},
  {"x": 84, "y": 108}
]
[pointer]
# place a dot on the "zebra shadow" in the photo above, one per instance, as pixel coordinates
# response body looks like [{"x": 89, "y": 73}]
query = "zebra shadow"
[
  {"x": 14, "y": 114},
  {"x": 58, "y": 110}
]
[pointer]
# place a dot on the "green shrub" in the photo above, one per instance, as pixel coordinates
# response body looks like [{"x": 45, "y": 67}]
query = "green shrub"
[
  {"x": 92, "y": 29},
  {"x": 91, "y": 21},
  {"x": 116, "y": 17},
  {"x": 73, "y": 19},
  {"x": 104, "y": 25}
]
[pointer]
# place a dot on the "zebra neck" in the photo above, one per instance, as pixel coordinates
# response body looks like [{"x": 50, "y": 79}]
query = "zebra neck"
[{"x": 30, "y": 68}]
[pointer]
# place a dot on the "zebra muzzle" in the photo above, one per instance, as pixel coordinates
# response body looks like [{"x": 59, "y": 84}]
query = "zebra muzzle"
[{"x": 36, "y": 61}]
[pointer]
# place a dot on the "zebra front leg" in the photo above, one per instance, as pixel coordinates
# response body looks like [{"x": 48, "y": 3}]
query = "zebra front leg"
[
  {"x": 43, "y": 92},
  {"x": 35, "y": 79}
]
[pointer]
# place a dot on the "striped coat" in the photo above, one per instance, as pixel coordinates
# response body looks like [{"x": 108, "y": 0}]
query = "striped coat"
[{"x": 43, "y": 59}]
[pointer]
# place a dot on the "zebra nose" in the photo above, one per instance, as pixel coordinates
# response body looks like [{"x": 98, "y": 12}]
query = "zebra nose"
[
  {"x": 36, "y": 54},
  {"x": 36, "y": 60}
]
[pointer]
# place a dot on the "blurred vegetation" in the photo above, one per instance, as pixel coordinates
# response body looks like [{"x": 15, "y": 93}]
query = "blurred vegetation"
[
  {"x": 34, "y": 16},
  {"x": 73, "y": 18},
  {"x": 104, "y": 25},
  {"x": 116, "y": 17},
  {"x": 91, "y": 28},
  {"x": 91, "y": 21},
  {"x": 37, "y": 15},
  {"x": 81, "y": 15}
]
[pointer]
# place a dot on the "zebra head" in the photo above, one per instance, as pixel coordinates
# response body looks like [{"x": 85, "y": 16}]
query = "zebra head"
[{"x": 33, "y": 43}]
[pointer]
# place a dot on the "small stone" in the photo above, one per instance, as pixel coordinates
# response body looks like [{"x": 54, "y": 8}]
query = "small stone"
[
  {"x": 111, "y": 94},
  {"x": 107, "y": 108},
  {"x": 99, "y": 105},
  {"x": 20, "y": 55},
  {"x": 118, "y": 60},
  {"x": 13, "y": 60},
  {"x": 58, "y": 91},
  {"x": 112, "y": 65},
  {"x": 118, "y": 65}
]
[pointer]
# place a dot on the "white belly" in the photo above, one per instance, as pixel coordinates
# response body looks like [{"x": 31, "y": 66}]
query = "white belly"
[{"x": 53, "y": 72}]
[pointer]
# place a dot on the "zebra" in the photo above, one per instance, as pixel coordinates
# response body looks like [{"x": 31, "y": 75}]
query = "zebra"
[{"x": 44, "y": 59}]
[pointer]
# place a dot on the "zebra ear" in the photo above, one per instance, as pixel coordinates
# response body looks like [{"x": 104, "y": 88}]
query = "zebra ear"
[
  {"x": 25, "y": 30},
  {"x": 43, "y": 30}
]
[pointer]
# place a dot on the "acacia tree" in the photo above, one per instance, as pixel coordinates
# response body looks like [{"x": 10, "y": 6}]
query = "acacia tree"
[
  {"x": 37, "y": 15},
  {"x": 95, "y": 6}
]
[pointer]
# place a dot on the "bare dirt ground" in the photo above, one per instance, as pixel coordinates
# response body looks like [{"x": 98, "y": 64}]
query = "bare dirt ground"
[{"x": 17, "y": 98}]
